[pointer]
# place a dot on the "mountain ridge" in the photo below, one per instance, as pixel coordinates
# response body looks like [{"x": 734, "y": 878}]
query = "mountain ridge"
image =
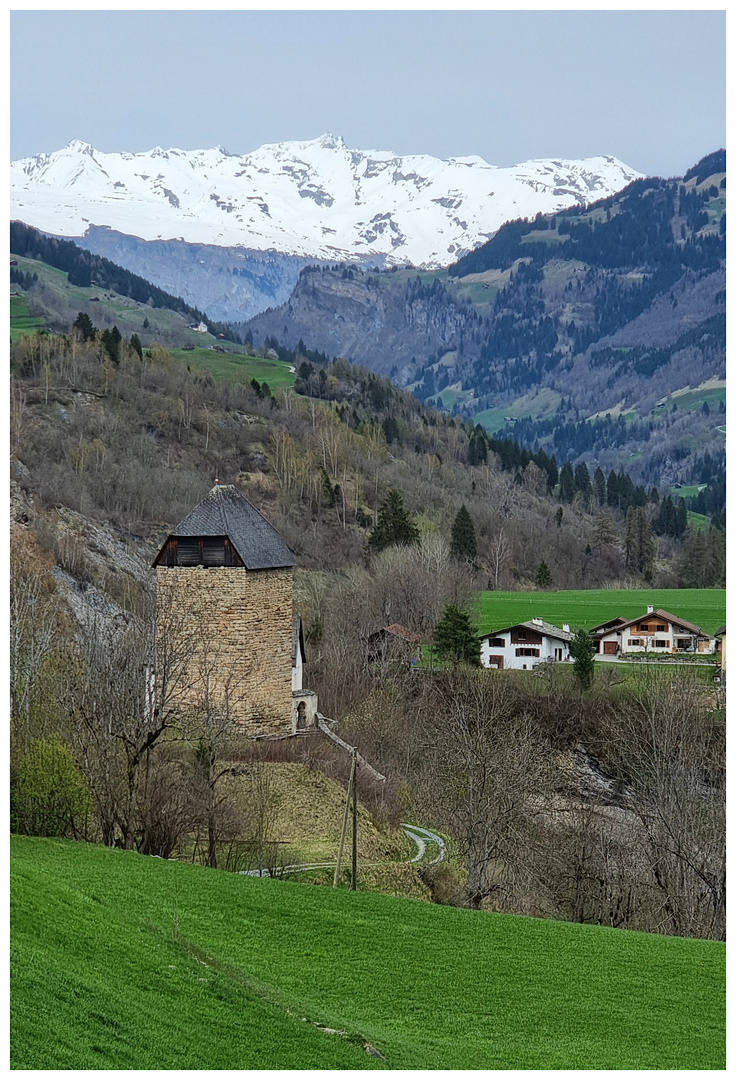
[{"x": 315, "y": 198}]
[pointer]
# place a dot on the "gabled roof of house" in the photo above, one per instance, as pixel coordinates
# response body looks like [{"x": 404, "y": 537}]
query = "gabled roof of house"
[
  {"x": 721, "y": 632},
  {"x": 399, "y": 631},
  {"x": 225, "y": 512},
  {"x": 611, "y": 624},
  {"x": 658, "y": 613},
  {"x": 540, "y": 627}
]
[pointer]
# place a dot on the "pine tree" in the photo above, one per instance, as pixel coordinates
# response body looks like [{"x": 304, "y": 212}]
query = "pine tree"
[
  {"x": 83, "y": 323},
  {"x": 567, "y": 483},
  {"x": 680, "y": 518},
  {"x": 544, "y": 577},
  {"x": 599, "y": 486},
  {"x": 135, "y": 344},
  {"x": 694, "y": 565},
  {"x": 582, "y": 480},
  {"x": 328, "y": 492},
  {"x": 647, "y": 546},
  {"x": 603, "y": 533},
  {"x": 456, "y": 639},
  {"x": 665, "y": 521},
  {"x": 631, "y": 542},
  {"x": 612, "y": 493},
  {"x": 394, "y": 525},
  {"x": 582, "y": 652},
  {"x": 463, "y": 545}
]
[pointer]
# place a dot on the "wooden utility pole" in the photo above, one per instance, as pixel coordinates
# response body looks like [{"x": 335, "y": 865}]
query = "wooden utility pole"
[
  {"x": 345, "y": 820},
  {"x": 354, "y": 877}
]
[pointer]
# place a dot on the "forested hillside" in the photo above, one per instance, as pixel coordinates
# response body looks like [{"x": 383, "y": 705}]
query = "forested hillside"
[
  {"x": 615, "y": 309},
  {"x": 86, "y": 270},
  {"x": 396, "y": 513}
]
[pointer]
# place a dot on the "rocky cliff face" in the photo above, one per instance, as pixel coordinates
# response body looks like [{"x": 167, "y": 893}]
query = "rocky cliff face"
[
  {"x": 391, "y": 322},
  {"x": 230, "y": 284}
]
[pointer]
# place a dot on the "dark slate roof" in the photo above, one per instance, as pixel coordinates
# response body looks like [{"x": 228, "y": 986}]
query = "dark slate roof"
[
  {"x": 610, "y": 625},
  {"x": 225, "y": 512},
  {"x": 540, "y": 627}
]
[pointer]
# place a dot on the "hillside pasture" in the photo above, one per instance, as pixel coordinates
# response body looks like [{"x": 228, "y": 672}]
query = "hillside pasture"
[
  {"x": 590, "y": 607},
  {"x": 120, "y": 961},
  {"x": 237, "y": 366},
  {"x": 62, "y": 300},
  {"x": 21, "y": 320}
]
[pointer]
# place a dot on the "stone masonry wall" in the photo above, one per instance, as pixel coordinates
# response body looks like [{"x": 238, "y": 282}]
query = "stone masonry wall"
[{"x": 238, "y": 624}]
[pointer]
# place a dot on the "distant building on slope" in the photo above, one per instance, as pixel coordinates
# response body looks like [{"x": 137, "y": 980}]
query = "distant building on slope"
[
  {"x": 227, "y": 575},
  {"x": 393, "y": 644},
  {"x": 525, "y": 645}
]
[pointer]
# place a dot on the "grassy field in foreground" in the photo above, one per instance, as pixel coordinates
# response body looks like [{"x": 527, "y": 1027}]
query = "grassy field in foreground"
[
  {"x": 589, "y": 607},
  {"x": 239, "y": 368},
  {"x": 122, "y": 961}
]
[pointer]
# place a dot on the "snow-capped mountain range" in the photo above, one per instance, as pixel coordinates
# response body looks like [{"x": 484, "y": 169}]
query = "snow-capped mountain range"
[{"x": 315, "y": 199}]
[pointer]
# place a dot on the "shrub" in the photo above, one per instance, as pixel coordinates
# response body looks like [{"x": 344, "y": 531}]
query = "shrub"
[{"x": 48, "y": 797}]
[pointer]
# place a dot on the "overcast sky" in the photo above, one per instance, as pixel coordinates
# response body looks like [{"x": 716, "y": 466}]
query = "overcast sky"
[{"x": 645, "y": 86}]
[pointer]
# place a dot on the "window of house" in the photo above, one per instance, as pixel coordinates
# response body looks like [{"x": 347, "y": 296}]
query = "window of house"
[
  {"x": 496, "y": 643},
  {"x": 521, "y": 634},
  {"x": 634, "y": 641},
  {"x": 660, "y": 627},
  {"x": 527, "y": 652},
  {"x": 644, "y": 626},
  {"x": 661, "y": 643}
]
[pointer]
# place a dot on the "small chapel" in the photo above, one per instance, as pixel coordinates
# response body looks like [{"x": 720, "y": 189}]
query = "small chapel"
[{"x": 228, "y": 574}]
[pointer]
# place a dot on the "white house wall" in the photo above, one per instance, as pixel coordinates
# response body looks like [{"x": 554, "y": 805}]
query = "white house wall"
[
  {"x": 634, "y": 642},
  {"x": 549, "y": 649}
]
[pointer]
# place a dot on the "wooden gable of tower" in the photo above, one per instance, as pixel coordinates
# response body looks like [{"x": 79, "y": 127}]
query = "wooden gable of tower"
[
  {"x": 198, "y": 551},
  {"x": 225, "y": 529}
]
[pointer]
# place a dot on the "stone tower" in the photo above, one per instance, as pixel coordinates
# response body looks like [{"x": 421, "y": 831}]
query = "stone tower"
[{"x": 228, "y": 576}]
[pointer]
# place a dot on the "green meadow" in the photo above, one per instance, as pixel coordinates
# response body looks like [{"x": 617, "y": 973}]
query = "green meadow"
[
  {"x": 237, "y": 367},
  {"x": 590, "y": 607},
  {"x": 119, "y": 961},
  {"x": 21, "y": 320}
]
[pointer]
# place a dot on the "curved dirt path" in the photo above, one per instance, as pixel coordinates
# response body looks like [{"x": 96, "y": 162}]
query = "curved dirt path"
[{"x": 420, "y": 836}]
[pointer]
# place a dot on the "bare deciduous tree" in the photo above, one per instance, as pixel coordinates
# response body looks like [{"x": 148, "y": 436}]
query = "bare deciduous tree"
[
  {"x": 124, "y": 685},
  {"x": 486, "y": 770}
]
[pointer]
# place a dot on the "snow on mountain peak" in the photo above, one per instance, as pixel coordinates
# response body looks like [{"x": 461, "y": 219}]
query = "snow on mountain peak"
[{"x": 315, "y": 198}]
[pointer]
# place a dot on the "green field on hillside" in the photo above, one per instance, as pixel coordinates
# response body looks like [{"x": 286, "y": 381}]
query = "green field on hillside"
[
  {"x": 237, "y": 367},
  {"x": 694, "y": 399},
  {"x": 21, "y": 320},
  {"x": 123, "y": 961},
  {"x": 62, "y": 300},
  {"x": 537, "y": 404},
  {"x": 589, "y": 607}
]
